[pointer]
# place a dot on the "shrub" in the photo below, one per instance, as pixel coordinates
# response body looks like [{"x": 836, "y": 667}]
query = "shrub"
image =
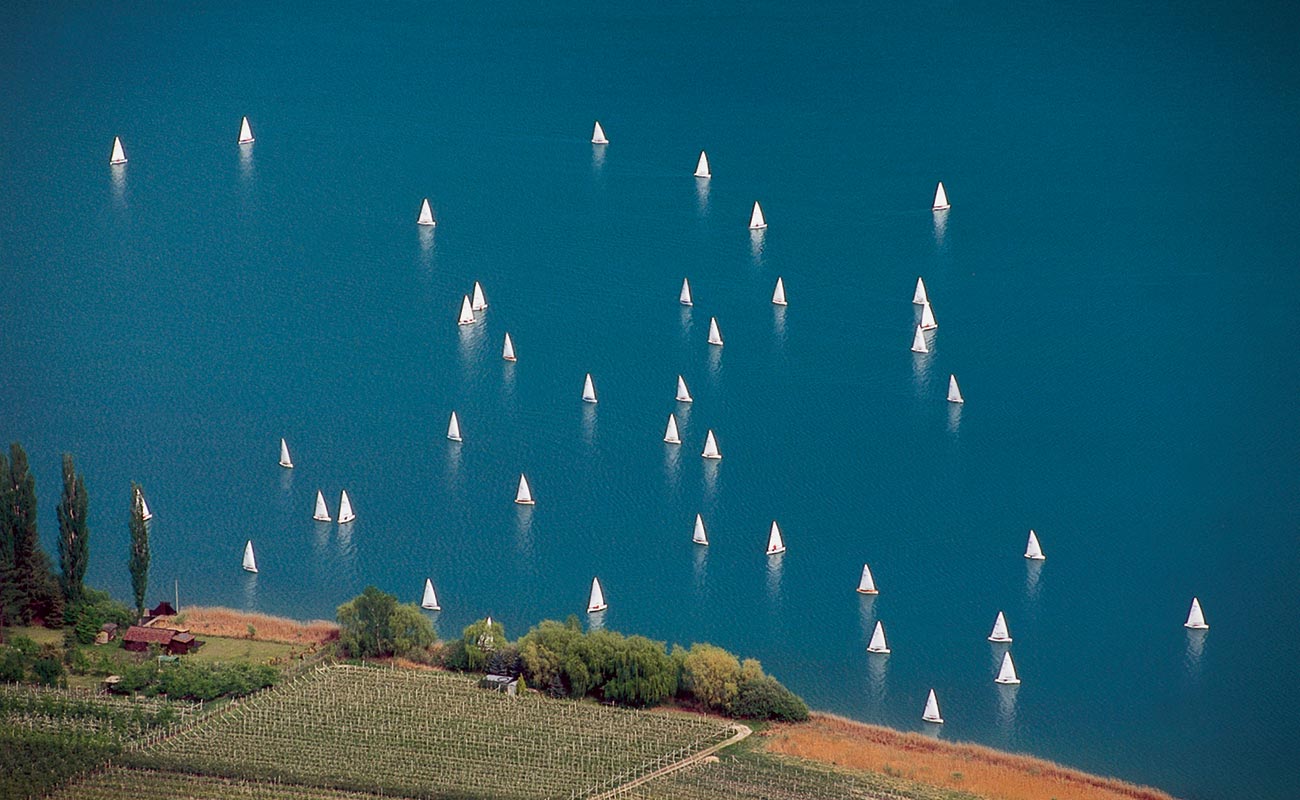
[
  {"x": 48, "y": 671},
  {"x": 764, "y": 697},
  {"x": 373, "y": 624},
  {"x": 712, "y": 676},
  {"x": 12, "y": 665}
]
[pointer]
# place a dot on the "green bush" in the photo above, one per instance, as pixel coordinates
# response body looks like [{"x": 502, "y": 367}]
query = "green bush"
[
  {"x": 12, "y": 665},
  {"x": 373, "y": 625},
  {"x": 48, "y": 671},
  {"x": 763, "y": 697}
]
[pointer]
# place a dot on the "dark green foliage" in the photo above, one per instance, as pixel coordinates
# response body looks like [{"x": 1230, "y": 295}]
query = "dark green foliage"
[
  {"x": 91, "y": 611},
  {"x": 13, "y": 667},
  {"x": 139, "y": 561},
  {"x": 48, "y": 671},
  {"x": 505, "y": 660},
  {"x": 479, "y": 642},
  {"x": 74, "y": 533},
  {"x": 644, "y": 675},
  {"x": 764, "y": 697},
  {"x": 32, "y": 763},
  {"x": 30, "y": 591},
  {"x": 191, "y": 681},
  {"x": 374, "y": 625}
]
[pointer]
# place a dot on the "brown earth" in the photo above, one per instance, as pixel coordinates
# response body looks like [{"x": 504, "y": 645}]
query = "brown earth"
[{"x": 235, "y": 624}]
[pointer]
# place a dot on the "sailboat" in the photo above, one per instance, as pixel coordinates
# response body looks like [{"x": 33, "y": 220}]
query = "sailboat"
[
  {"x": 711, "y": 447},
  {"x": 878, "y": 643},
  {"x": 1195, "y": 617},
  {"x": 685, "y": 296},
  {"x": 778, "y": 294},
  {"x": 928, "y": 322},
  {"x": 1000, "y": 633},
  {"x": 700, "y": 537},
  {"x": 245, "y": 132},
  {"x": 345, "y": 509},
  {"x": 250, "y": 563},
  {"x": 941, "y": 199},
  {"x": 919, "y": 297},
  {"x": 480, "y": 302},
  {"x": 867, "y": 584},
  {"x": 597, "y": 600},
  {"x": 954, "y": 393},
  {"x": 524, "y": 496},
  {"x": 508, "y": 351},
  {"x": 285, "y": 461},
  {"x": 119, "y": 155},
  {"x": 683, "y": 394},
  {"x": 931, "y": 713},
  {"x": 715, "y": 335},
  {"x": 588, "y": 390},
  {"x": 598, "y": 135},
  {"x": 145, "y": 513},
  {"x": 918, "y": 342},
  {"x": 322, "y": 513},
  {"x": 430, "y": 599},
  {"x": 426, "y": 214},
  {"x": 1007, "y": 675},
  {"x": 466, "y": 312},
  {"x": 702, "y": 167},
  {"x": 453, "y": 428},
  {"x": 756, "y": 221},
  {"x": 670, "y": 435},
  {"x": 1032, "y": 550},
  {"x": 775, "y": 544}
]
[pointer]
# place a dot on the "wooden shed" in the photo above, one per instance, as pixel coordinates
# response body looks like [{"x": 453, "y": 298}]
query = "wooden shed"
[{"x": 138, "y": 638}]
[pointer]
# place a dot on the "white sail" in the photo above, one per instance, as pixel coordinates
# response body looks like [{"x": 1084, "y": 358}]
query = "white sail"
[
  {"x": 508, "y": 350},
  {"x": 345, "y": 509},
  {"x": 931, "y": 713},
  {"x": 867, "y": 583},
  {"x": 775, "y": 544},
  {"x": 426, "y": 214},
  {"x": 430, "y": 599},
  {"x": 715, "y": 335},
  {"x": 480, "y": 301},
  {"x": 1007, "y": 675},
  {"x": 1000, "y": 633},
  {"x": 145, "y": 513},
  {"x": 1195, "y": 617},
  {"x": 670, "y": 434},
  {"x": 597, "y": 600},
  {"x": 119, "y": 155},
  {"x": 285, "y": 461},
  {"x": 941, "y": 199},
  {"x": 878, "y": 643},
  {"x": 466, "y": 312},
  {"x": 711, "y": 447},
  {"x": 245, "y": 132},
  {"x": 756, "y": 220},
  {"x": 928, "y": 322},
  {"x": 918, "y": 342},
  {"x": 699, "y": 537},
  {"x": 702, "y": 167},
  {"x": 778, "y": 294},
  {"x": 453, "y": 428},
  {"x": 683, "y": 394},
  {"x": 685, "y": 296},
  {"x": 919, "y": 297},
  {"x": 598, "y": 135},
  {"x": 322, "y": 513},
  {"x": 954, "y": 393},
  {"x": 588, "y": 390},
  {"x": 250, "y": 563},
  {"x": 524, "y": 496},
  {"x": 1032, "y": 549}
]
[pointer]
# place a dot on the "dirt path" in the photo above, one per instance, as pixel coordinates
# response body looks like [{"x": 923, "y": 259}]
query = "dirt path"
[{"x": 741, "y": 731}]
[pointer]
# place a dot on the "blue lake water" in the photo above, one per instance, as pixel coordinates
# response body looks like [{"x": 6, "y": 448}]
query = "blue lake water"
[{"x": 1115, "y": 287}]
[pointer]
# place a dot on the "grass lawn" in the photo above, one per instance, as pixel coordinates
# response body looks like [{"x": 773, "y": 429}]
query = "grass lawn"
[{"x": 220, "y": 648}]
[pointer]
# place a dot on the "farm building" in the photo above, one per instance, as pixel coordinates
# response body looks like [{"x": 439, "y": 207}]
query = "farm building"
[
  {"x": 163, "y": 609},
  {"x": 107, "y": 633},
  {"x": 500, "y": 683},
  {"x": 177, "y": 643}
]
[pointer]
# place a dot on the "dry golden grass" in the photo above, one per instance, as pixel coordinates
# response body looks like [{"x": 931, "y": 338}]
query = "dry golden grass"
[
  {"x": 983, "y": 771},
  {"x": 234, "y": 624}
]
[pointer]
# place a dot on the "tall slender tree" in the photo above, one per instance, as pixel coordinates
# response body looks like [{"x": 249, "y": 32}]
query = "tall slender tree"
[
  {"x": 74, "y": 532},
  {"x": 139, "y": 562},
  {"x": 8, "y": 577},
  {"x": 36, "y": 593}
]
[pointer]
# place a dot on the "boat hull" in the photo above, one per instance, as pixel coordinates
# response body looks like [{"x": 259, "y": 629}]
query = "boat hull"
[
  {"x": 1007, "y": 681},
  {"x": 526, "y": 502},
  {"x": 776, "y": 552},
  {"x": 343, "y": 521},
  {"x": 454, "y": 438},
  {"x": 941, "y": 208},
  {"x": 934, "y": 720},
  {"x": 321, "y": 519},
  {"x": 883, "y": 651},
  {"x": 1035, "y": 558},
  {"x": 597, "y": 609},
  {"x": 434, "y": 607},
  {"x": 1000, "y": 639},
  {"x": 250, "y": 569},
  {"x": 1195, "y": 627},
  {"x": 868, "y": 591}
]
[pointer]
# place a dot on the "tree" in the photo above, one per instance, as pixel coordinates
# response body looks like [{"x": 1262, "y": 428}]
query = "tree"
[
  {"x": 139, "y": 561},
  {"x": 764, "y": 697},
  {"x": 373, "y": 624},
  {"x": 644, "y": 674},
  {"x": 74, "y": 533},
  {"x": 33, "y": 592},
  {"x": 712, "y": 675}
]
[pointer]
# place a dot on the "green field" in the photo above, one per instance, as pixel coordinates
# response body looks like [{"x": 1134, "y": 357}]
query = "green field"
[{"x": 120, "y": 783}]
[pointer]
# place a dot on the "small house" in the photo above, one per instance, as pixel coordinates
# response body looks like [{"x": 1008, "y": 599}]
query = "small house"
[
  {"x": 500, "y": 683},
  {"x": 107, "y": 633},
  {"x": 163, "y": 609},
  {"x": 138, "y": 638}
]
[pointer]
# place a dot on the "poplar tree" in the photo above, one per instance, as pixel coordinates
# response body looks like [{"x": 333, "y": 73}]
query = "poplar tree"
[
  {"x": 74, "y": 533},
  {"x": 35, "y": 593},
  {"x": 139, "y": 562}
]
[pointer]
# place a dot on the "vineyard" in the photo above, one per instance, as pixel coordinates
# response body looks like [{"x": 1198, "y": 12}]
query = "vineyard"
[
  {"x": 429, "y": 735},
  {"x": 144, "y": 784}
]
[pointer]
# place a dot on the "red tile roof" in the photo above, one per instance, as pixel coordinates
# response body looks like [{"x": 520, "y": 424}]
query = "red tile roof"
[{"x": 137, "y": 633}]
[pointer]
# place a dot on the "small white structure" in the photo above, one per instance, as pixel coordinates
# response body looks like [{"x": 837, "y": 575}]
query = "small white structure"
[
  {"x": 508, "y": 349},
  {"x": 700, "y": 536},
  {"x": 588, "y": 390},
  {"x": 671, "y": 436},
  {"x": 954, "y": 393},
  {"x": 245, "y": 132},
  {"x": 1196, "y": 618},
  {"x": 250, "y": 562},
  {"x": 683, "y": 394},
  {"x": 1032, "y": 549},
  {"x": 928, "y": 322},
  {"x": 466, "y": 312},
  {"x": 941, "y": 199},
  {"x": 756, "y": 220},
  {"x": 119, "y": 155},
  {"x": 322, "y": 513},
  {"x": 1000, "y": 633},
  {"x": 145, "y": 513},
  {"x": 919, "y": 297},
  {"x": 685, "y": 297},
  {"x": 453, "y": 428},
  {"x": 285, "y": 461},
  {"x": 775, "y": 544},
  {"x": 480, "y": 302},
  {"x": 715, "y": 335},
  {"x": 1007, "y": 674},
  {"x": 918, "y": 341},
  {"x": 597, "y": 600},
  {"x": 878, "y": 643},
  {"x": 711, "y": 447},
  {"x": 778, "y": 294},
  {"x": 867, "y": 583},
  {"x": 598, "y": 135},
  {"x": 430, "y": 599},
  {"x": 702, "y": 167},
  {"x": 524, "y": 496},
  {"x": 931, "y": 713},
  {"x": 345, "y": 509},
  {"x": 426, "y": 215}
]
